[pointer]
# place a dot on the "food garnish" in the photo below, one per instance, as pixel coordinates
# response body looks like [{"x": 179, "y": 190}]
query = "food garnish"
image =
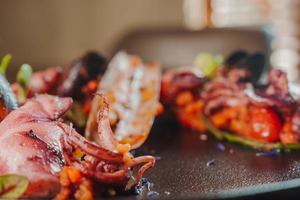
[
  {"x": 4, "y": 64},
  {"x": 12, "y": 186}
]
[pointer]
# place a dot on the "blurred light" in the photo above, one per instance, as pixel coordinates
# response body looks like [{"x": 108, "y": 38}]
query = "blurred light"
[
  {"x": 229, "y": 13},
  {"x": 287, "y": 60},
  {"x": 195, "y": 15}
]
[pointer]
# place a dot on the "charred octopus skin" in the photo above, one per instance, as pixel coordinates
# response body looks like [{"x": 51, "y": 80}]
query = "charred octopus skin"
[{"x": 37, "y": 144}]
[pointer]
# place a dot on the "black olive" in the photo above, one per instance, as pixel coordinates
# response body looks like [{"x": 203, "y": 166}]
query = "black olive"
[
  {"x": 254, "y": 63},
  {"x": 80, "y": 72},
  {"x": 7, "y": 95},
  {"x": 236, "y": 57},
  {"x": 94, "y": 63}
]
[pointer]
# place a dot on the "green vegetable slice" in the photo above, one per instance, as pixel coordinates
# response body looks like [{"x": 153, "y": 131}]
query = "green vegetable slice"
[
  {"x": 24, "y": 75},
  {"x": 4, "y": 64},
  {"x": 208, "y": 63},
  {"x": 23, "y": 78},
  {"x": 12, "y": 186},
  {"x": 222, "y": 135}
]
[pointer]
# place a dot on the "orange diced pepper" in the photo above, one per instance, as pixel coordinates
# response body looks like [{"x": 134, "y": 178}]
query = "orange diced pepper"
[
  {"x": 84, "y": 191},
  {"x": 287, "y": 135},
  {"x": 184, "y": 98},
  {"x": 74, "y": 174},
  {"x": 160, "y": 109},
  {"x": 87, "y": 106}
]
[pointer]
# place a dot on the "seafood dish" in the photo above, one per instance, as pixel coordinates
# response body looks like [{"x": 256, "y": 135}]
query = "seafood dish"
[
  {"x": 231, "y": 105},
  {"x": 72, "y": 134},
  {"x": 42, "y": 153}
]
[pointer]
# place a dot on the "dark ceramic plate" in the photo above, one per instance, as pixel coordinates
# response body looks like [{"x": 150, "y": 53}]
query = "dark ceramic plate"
[{"x": 182, "y": 171}]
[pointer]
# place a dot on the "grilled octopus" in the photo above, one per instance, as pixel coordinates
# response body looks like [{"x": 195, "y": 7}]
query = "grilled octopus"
[{"x": 36, "y": 143}]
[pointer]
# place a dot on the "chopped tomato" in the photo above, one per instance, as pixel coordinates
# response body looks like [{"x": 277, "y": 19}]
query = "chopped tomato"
[
  {"x": 264, "y": 124},
  {"x": 90, "y": 87},
  {"x": 3, "y": 110},
  {"x": 288, "y": 136},
  {"x": 234, "y": 119},
  {"x": 160, "y": 109},
  {"x": 191, "y": 121},
  {"x": 74, "y": 175},
  {"x": 87, "y": 106},
  {"x": 74, "y": 184},
  {"x": 184, "y": 98}
]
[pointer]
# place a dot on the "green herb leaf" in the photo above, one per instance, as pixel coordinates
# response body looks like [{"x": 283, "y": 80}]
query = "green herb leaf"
[
  {"x": 24, "y": 75},
  {"x": 208, "y": 63},
  {"x": 4, "y": 64},
  {"x": 12, "y": 186}
]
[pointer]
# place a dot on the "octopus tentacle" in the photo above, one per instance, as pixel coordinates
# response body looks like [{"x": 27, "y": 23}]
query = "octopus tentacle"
[
  {"x": 80, "y": 142},
  {"x": 149, "y": 162},
  {"x": 105, "y": 137},
  {"x": 103, "y": 177}
]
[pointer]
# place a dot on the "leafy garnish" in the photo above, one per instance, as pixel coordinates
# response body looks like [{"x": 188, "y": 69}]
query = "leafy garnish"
[
  {"x": 4, "y": 64},
  {"x": 222, "y": 135},
  {"x": 12, "y": 186},
  {"x": 23, "y": 78},
  {"x": 208, "y": 63},
  {"x": 24, "y": 75}
]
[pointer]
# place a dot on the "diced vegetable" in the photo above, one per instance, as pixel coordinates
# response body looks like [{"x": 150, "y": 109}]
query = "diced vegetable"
[{"x": 265, "y": 124}]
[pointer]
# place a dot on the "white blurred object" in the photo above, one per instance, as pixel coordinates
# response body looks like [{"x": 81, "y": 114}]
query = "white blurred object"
[
  {"x": 229, "y": 13},
  {"x": 285, "y": 45},
  {"x": 224, "y": 13},
  {"x": 294, "y": 89},
  {"x": 195, "y": 14},
  {"x": 282, "y": 16}
]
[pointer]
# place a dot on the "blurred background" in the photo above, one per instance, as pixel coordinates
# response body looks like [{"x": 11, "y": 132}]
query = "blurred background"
[{"x": 53, "y": 32}]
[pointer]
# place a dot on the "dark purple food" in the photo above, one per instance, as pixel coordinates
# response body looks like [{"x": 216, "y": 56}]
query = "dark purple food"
[
  {"x": 176, "y": 81},
  {"x": 81, "y": 71},
  {"x": 254, "y": 63},
  {"x": 276, "y": 94}
]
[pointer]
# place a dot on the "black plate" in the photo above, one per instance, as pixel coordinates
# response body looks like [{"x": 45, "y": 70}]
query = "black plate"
[
  {"x": 237, "y": 171},
  {"x": 182, "y": 170}
]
